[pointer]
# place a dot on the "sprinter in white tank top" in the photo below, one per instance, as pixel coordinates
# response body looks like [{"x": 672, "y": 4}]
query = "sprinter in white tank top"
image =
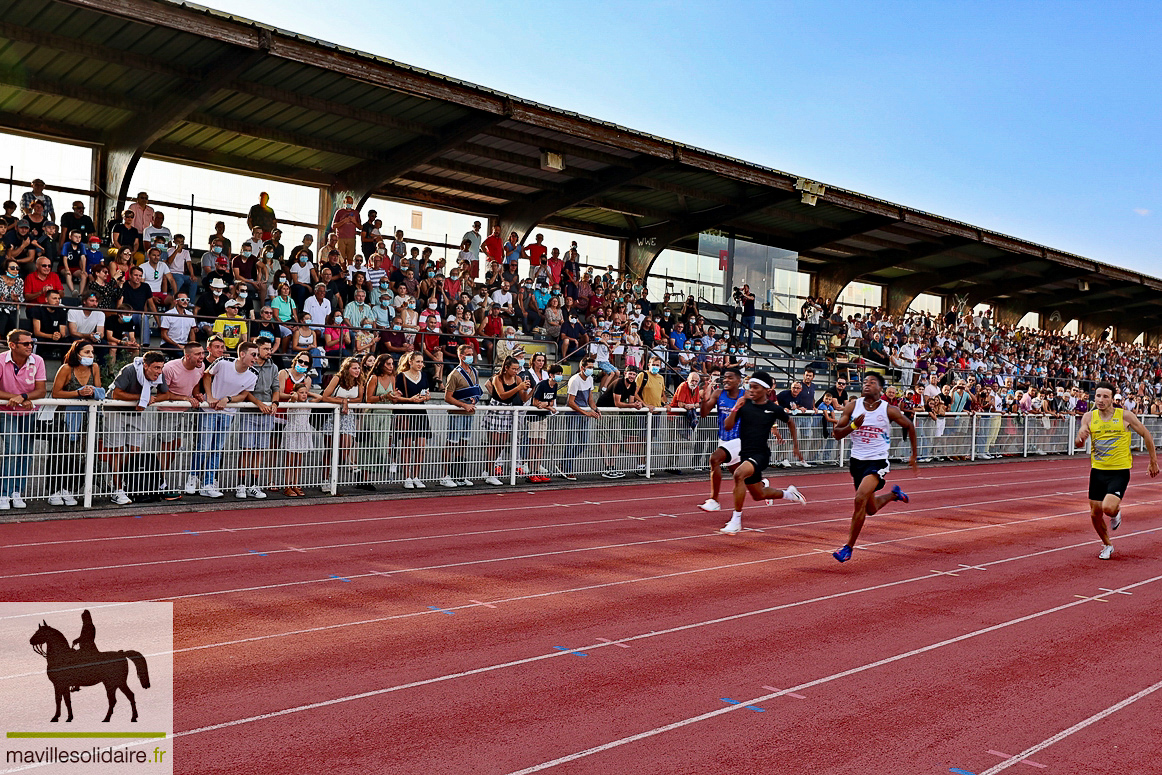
[{"x": 868, "y": 420}]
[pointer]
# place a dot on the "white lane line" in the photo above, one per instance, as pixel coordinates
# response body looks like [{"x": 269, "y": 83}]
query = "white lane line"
[
  {"x": 853, "y": 671},
  {"x": 621, "y": 641},
  {"x": 668, "y": 727},
  {"x": 894, "y": 516},
  {"x": 324, "y": 523},
  {"x": 1041, "y": 746},
  {"x": 789, "y": 694},
  {"x": 1009, "y": 756}
]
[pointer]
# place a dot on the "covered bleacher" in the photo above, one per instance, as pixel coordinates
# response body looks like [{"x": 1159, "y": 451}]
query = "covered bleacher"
[{"x": 138, "y": 78}]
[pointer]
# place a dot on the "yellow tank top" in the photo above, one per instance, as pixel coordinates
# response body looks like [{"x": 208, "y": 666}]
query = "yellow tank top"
[{"x": 1109, "y": 442}]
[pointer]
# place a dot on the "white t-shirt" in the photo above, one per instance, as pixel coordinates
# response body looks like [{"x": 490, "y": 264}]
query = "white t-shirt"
[
  {"x": 581, "y": 387},
  {"x": 302, "y": 272},
  {"x": 155, "y": 275},
  {"x": 178, "y": 260},
  {"x": 599, "y": 350},
  {"x": 86, "y": 324},
  {"x": 179, "y": 326},
  {"x": 503, "y": 298},
  {"x": 318, "y": 310},
  {"x": 226, "y": 381}
]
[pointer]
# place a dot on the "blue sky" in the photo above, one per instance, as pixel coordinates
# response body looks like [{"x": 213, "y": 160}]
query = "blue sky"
[{"x": 1036, "y": 119}]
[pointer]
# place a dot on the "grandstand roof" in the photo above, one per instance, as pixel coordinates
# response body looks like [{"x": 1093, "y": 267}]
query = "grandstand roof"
[{"x": 193, "y": 84}]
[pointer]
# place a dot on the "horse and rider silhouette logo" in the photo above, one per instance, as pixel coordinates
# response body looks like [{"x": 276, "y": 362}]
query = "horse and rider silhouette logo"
[{"x": 71, "y": 668}]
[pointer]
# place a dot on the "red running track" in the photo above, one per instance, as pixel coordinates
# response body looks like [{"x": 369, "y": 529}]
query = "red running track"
[{"x": 614, "y": 631}]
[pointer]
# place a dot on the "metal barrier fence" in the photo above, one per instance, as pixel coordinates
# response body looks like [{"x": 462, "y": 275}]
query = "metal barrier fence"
[{"x": 73, "y": 451}]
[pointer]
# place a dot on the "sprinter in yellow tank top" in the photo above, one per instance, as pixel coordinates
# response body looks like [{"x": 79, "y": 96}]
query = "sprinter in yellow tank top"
[{"x": 1108, "y": 429}]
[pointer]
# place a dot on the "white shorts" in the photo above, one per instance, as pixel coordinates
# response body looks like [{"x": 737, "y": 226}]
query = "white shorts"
[{"x": 733, "y": 449}]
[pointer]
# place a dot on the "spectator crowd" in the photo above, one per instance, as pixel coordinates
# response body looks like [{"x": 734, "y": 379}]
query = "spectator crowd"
[{"x": 136, "y": 314}]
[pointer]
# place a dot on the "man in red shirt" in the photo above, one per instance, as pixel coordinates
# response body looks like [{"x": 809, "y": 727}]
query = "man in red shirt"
[
  {"x": 556, "y": 265},
  {"x": 535, "y": 252},
  {"x": 37, "y": 284},
  {"x": 346, "y": 224},
  {"x": 493, "y": 247}
]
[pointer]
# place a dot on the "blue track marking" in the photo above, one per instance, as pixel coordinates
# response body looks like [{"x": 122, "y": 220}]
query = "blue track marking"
[
  {"x": 254, "y": 551},
  {"x": 571, "y": 651},
  {"x": 959, "y": 771},
  {"x": 755, "y": 708},
  {"x": 340, "y": 578},
  {"x": 442, "y": 610}
]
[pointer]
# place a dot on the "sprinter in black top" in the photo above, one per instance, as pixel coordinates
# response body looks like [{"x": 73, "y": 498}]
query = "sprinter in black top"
[{"x": 755, "y": 415}]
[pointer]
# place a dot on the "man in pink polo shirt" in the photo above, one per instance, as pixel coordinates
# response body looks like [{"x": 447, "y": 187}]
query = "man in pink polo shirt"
[
  {"x": 346, "y": 225},
  {"x": 22, "y": 380}
]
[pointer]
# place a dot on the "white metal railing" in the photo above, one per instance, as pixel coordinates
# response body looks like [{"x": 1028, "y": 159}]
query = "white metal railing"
[{"x": 94, "y": 450}]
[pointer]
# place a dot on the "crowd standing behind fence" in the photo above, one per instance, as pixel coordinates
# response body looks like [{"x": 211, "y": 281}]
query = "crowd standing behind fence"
[{"x": 976, "y": 389}]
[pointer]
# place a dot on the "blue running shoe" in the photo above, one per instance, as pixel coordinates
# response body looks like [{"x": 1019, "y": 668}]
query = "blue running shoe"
[
  {"x": 900, "y": 494},
  {"x": 843, "y": 554}
]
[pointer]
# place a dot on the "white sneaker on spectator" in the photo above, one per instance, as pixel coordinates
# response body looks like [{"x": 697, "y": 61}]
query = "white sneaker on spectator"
[
  {"x": 419, "y": 484},
  {"x": 409, "y": 484},
  {"x": 392, "y": 469},
  {"x": 68, "y": 497},
  {"x": 119, "y": 498},
  {"x": 210, "y": 491},
  {"x": 191, "y": 485},
  {"x": 785, "y": 463},
  {"x": 255, "y": 491},
  {"x": 5, "y": 503},
  {"x": 522, "y": 471},
  {"x": 542, "y": 470},
  {"x": 55, "y": 499},
  {"x": 710, "y": 505},
  {"x": 465, "y": 482},
  {"x": 493, "y": 481},
  {"x": 447, "y": 482},
  {"x": 240, "y": 492}
]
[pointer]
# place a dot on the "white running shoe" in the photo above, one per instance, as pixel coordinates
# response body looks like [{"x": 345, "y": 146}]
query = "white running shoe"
[
  {"x": 240, "y": 492},
  {"x": 409, "y": 484},
  {"x": 465, "y": 482},
  {"x": 733, "y": 527},
  {"x": 119, "y": 498},
  {"x": 55, "y": 499},
  {"x": 419, "y": 484},
  {"x": 766, "y": 484},
  {"x": 191, "y": 485},
  {"x": 493, "y": 481},
  {"x": 255, "y": 491},
  {"x": 18, "y": 502},
  {"x": 522, "y": 471},
  {"x": 542, "y": 470},
  {"x": 5, "y": 503},
  {"x": 1116, "y": 521},
  {"x": 68, "y": 498},
  {"x": 710, "y": 505},
  {"x": 792, "y": 493},
  {"x": 447, "y": 482},
  {"x": 210, "y": 491},
  {"x": 1107, "y": 551}
]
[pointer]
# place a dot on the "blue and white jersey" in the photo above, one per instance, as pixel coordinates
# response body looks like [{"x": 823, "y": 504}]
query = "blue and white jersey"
[{"x": 725, "y": 404}]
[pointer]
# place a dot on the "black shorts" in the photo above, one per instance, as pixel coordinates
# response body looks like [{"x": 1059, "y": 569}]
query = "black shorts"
[
  {"x": 1103, "y": 483},
  {"x": 861, "y": 469},
  {"x": 760, "y": 461}
]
